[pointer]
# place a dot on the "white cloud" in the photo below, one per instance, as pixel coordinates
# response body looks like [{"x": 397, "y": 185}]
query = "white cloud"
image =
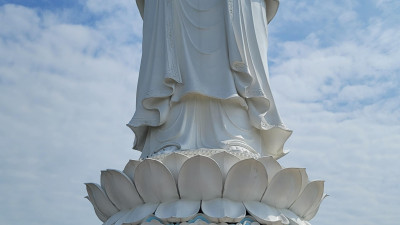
[
  {"x": 341, "y": 99},
  {"x": 66, "y": 92}
]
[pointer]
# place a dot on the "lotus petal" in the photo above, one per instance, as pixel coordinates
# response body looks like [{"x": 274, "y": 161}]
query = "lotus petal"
[
  {"x": 248, "y": 221},
  {"x": 265, "y": 214},
  {"x": 100, "y": 200},
  {"x": 174, "y": 163},
  {"x": 200, "y": 219},
  {"x": 225, "y": 161},
  {"x": 138, "y": 214},
  {"x": 271, "y": 165},
  {"x": 99, "y": 214},
  {"x": 129, "y": 169},
  {"x": 120, "y": 189},
  {"x": 223, "y": 210},
  {"x": 284, "y": 188},
  {"x": 304, "y": 177},
  {"x": 309, "y": 199},
  {"x": 178, "y": 211},
  {"x": 246, "y": 181},
  {"x": 293, "y": 218},
  {"x": 152, "y": 220},
  {"x": 154, "y": 182},
  {"x": 112, "y": 220},
  {"x": 312, "y": 213},
  {"x": 200, "y": 179}
]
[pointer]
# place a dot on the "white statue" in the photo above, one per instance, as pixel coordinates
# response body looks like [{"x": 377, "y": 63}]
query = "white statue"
[
  {"x": 203, "y": 94},
  {"x": 203, "y": 80}
]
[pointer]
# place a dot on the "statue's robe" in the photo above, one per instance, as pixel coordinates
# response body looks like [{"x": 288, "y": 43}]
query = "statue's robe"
[{"x": 203, "y": 80}]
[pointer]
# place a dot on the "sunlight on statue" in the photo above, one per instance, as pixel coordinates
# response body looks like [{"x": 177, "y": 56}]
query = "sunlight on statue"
[{"x": 203, "y": 81}]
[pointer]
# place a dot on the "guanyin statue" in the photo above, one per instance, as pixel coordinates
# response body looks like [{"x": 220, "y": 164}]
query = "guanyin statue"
[
  {"x": 207, "y": 125},
  {"x": 203, "y": 81}
]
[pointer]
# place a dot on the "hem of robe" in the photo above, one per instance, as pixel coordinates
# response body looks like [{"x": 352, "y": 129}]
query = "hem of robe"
[{"x": 273, "y": 136}]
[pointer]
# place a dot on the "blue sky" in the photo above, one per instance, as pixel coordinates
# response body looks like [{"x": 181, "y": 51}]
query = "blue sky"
[{"x": 68, "y": 72}]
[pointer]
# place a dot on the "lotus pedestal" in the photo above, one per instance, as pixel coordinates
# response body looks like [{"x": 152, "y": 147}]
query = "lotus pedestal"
[{"x": 204, "y": 187}]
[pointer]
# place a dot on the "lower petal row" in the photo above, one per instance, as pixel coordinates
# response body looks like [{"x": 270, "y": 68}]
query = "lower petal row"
[{"x": 214, "y": 211}]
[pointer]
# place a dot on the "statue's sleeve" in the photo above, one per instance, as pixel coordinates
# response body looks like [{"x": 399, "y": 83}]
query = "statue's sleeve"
[
  {"x": 140, "y": 5},
  {"x": 272, "y": 8}
]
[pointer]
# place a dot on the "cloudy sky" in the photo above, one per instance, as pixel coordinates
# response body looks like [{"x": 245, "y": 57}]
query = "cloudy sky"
[{"x": 68, "y": 74}]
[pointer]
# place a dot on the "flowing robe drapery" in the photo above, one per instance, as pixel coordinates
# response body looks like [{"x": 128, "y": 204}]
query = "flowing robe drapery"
[{"x": 203, "y": 80}]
